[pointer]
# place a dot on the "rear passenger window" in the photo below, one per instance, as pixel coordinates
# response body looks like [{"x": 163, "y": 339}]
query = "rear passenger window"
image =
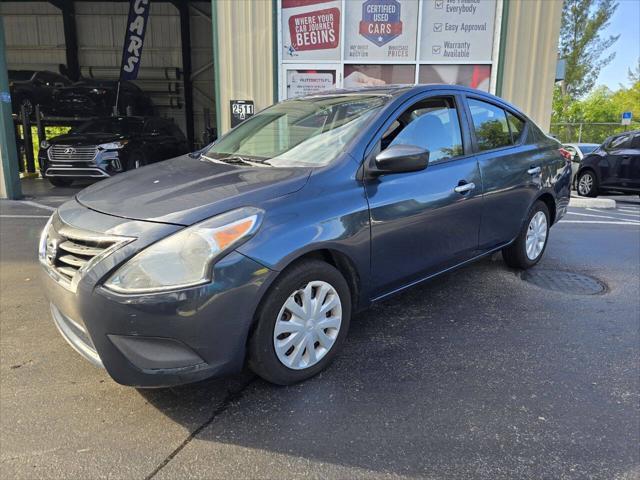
[
  {"x": 432, "y": 124},
  {"x": 516, "y": 126},
  {"x": 490, "y": 125},
  {"x": 621, "y": 142}
]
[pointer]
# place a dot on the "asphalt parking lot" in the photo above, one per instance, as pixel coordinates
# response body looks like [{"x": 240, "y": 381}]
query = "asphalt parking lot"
[{"x": 477, "y": 374}]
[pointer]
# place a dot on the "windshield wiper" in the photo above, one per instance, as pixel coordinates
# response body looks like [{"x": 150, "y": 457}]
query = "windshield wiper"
[{"x": 238, "y": 160}]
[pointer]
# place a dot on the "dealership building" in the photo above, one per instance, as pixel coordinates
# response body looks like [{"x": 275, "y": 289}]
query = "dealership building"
[{"x": 209, "y": 64}]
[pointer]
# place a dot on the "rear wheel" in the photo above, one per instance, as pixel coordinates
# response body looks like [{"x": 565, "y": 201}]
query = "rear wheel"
[
  {"x": 59, "y": 182},
  {"x": 528, "y": 248},
  {"x": 301, "y": 324},
  {"x": 587, "y": 184}
]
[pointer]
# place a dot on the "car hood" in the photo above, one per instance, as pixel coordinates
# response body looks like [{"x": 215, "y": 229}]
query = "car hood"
[
  {"x": 186, "y": 190},
  {"x": 86, "y": 138}
]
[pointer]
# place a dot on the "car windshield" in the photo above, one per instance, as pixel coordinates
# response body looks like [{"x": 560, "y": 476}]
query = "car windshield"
[
  {"x": 118, "y": 126},
  {"x": 308, "y": 132}
]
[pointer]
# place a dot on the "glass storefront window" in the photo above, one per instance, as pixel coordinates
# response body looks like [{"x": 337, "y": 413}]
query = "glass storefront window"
[
  {"x": 474, "y": 76},
  {"x": 458, "y": 31},
  {"x": 311, "y": 30},
  {"x": 378, "y": 42},
  {"x": 308, "y": 82},
  {"x": 381, "y": 30},
  {"x": 375, "y": 75}
]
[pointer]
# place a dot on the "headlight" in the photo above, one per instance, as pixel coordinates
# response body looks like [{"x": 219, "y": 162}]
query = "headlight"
[
  {"x": 185, "y": 258},
  {"x": 44, "y": 144},
  {"x": 113, "y": 145}
]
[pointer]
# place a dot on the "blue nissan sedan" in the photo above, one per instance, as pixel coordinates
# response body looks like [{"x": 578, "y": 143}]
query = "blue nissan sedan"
[{"x": 260, "y": 248}]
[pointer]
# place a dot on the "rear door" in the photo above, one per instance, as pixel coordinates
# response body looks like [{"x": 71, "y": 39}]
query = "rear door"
[
  {"x": 510, "y": 170},
  {"x": 624, "y": 159},
  {"x": 421, "y": 222}
]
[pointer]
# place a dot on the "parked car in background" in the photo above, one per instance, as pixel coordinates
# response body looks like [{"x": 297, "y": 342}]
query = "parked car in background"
[
  {"x": 101, "y": 148},
  {"x": 614, "y": 166},
  {"x": 96, "y": 98},
  {"x": 578, "y": 151},
  {"x": 262, "y": 246},
  {"x": 29, "y": 88}
]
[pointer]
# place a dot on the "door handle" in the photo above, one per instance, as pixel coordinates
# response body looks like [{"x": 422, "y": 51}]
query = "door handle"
[
  {"x": 464, "y": 188},
  {"x": 534, "y": 170}
]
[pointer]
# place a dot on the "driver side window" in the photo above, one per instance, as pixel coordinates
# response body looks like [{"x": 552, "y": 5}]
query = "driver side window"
[{"x": 432, "y": 124}]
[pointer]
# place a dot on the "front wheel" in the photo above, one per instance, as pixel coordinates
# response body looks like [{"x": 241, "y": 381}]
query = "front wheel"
[
  {"x": 301, "y": 324},
  {"x": 528, "y": 247},
  {"x": 587, "y": 184}
]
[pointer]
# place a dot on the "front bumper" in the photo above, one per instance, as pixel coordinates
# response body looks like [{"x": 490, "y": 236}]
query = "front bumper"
[
  {"x": 156, "y": 340},
  {"x": 104, "y": 164}
]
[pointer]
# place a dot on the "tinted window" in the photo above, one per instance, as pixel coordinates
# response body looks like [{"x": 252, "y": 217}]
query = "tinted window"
[
  {"x": 623, "y": 141},
  {"x": 432, "y": 124},
  {"x": 516, "y": 126},
  {"x": 635, "y": 142},
  {"x": 490, "y": 124}
]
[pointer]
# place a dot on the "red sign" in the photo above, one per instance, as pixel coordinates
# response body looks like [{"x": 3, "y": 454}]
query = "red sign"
[{"x": 317, "y": 30}]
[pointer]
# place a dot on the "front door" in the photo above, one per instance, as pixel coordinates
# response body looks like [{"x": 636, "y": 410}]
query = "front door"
[
  {"x": 306, "y": 79},
  {"x": 424, "y": 222}
]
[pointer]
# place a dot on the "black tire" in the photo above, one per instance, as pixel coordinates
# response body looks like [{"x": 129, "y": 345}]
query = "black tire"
[
  {"x": 262, "y": 357},
  {"x": 28, "y": 104},
  {"x": 515, "y": 255},
  {"x": 590, "y": 188},
  {"x": 60, "y": 182},
  {"x": 136, "y": 160}
]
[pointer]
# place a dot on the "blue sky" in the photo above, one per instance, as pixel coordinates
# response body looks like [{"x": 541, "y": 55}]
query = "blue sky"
[{"x": 626, "y": 22}]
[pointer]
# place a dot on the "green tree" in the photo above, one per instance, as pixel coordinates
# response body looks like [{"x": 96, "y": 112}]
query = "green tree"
[{"x": 583, "y": 47}]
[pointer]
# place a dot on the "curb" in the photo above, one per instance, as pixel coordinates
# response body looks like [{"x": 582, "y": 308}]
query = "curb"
[{"x": 586, "y": 202}]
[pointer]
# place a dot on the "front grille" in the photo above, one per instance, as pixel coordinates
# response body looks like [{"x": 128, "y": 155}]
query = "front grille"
[
  {"x": 70, "y": 153},
  {"x": 67, "y": 252}
]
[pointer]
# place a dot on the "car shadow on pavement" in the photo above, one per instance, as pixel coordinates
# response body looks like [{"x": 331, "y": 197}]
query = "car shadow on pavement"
[
  {"x": 473, "y": 374},
  {"x": 415, "y": 389}
]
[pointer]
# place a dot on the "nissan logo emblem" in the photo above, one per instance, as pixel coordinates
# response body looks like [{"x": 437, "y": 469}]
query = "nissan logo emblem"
[{"x": 69, "y": 150}]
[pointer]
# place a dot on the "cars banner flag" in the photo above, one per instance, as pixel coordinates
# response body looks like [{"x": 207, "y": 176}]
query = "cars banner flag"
[{"x": 137, "y": 23}]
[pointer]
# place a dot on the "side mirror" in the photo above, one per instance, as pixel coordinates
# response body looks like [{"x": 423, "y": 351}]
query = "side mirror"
[{"x": 400, "y": 159}]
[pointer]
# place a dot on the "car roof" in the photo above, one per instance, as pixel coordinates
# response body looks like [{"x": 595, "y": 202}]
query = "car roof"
[{"x": 398, "y": 90}]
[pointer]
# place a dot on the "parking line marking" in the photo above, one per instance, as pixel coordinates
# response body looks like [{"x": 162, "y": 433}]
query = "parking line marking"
[
  {"x": 25, "y": 216},
  {"x": 636, "y": 224},
  {"x": 37, "y": 205},
  {"x": 596, "y": 216}
]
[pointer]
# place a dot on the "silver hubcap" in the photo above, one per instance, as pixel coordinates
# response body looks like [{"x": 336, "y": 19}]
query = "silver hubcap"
[
  {"x": 308, "y": 325},
  {"x": 536, "y": 235},
  {"x": 585, "y": 184}
]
